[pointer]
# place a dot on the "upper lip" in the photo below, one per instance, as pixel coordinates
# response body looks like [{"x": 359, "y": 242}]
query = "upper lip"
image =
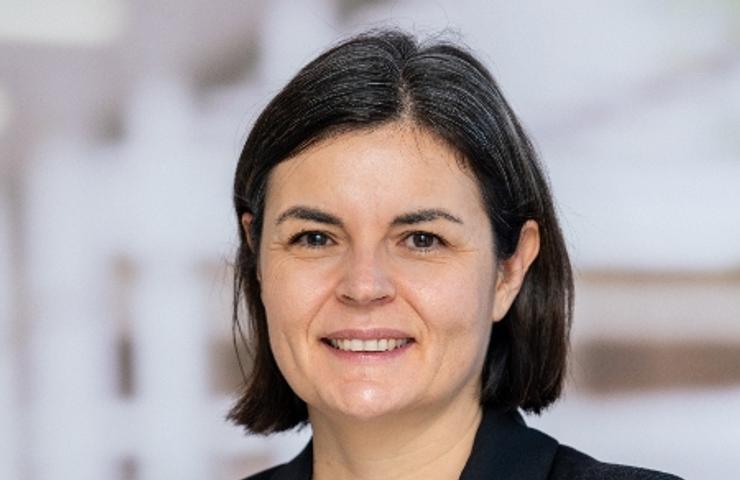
[{"x": 367, "y": 334}]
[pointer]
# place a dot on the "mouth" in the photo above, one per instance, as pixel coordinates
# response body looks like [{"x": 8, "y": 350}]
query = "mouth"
[
  {"x": 375, "y": 341},
  {"x": 371, "y": 345}
]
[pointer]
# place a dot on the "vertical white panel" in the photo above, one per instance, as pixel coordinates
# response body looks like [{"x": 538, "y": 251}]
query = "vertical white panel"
[
  {"x": 169, "y": 346},
  {"x": 165, "y": 237},
  {"x": 68, "y": 358},
  {"x": 9, "y": 407}
]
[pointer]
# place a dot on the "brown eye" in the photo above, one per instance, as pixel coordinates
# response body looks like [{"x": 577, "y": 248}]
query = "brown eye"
[
  {"x": 311, "y": 239},
  {"x": 423, "y": 241}
]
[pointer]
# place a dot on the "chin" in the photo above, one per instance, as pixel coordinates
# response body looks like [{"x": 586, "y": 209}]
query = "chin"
[{"x": 368, "y": 403}]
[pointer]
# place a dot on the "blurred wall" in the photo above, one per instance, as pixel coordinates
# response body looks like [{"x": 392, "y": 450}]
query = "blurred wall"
[{"x": 120, "y": 125}]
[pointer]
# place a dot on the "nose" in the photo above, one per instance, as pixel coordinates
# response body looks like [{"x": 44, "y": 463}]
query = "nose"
[{"x": 365, "y": 281}]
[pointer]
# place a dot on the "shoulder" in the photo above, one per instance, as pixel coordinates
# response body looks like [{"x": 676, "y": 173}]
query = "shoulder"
[
  {"x": 297, "y": 469},
  {"x": 571, "y": 464},
  {"x": 264, "y": 475}
]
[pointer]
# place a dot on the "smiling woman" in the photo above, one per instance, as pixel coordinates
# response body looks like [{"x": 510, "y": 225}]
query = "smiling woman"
[
  {"x": 406, "y": 278},
  {"x": 404, "y": 261}
]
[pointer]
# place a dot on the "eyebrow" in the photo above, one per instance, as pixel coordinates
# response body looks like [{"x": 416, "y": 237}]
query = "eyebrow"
[
  {"x": 308, "y": 213},
  {"x": 426, "y": 215},
  {"x": 411, "y": 218}
]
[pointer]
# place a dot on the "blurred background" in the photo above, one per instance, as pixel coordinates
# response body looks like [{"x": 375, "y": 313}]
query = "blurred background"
[{"x": 120, "y": 125}]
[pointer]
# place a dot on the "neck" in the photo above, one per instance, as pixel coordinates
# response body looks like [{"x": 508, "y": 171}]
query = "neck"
[{"x": 430, "y": 445}]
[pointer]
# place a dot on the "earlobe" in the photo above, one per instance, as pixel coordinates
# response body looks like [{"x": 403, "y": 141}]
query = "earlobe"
[{"x": 512, "y": 271}]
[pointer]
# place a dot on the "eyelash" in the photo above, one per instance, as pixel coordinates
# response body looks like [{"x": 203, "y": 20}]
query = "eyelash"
[
  {"x": 301, "y": 238},
  {"x": 440, "y": 242}
]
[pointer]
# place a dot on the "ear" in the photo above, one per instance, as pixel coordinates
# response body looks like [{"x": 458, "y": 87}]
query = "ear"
[
  {"x": 246, "y": 222},
  {"x": 511, "y": 272},
  {"x": 246, "y": 225}
]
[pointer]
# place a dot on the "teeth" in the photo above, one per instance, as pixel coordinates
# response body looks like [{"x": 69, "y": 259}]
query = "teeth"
[{"x": 374, "y": 345}]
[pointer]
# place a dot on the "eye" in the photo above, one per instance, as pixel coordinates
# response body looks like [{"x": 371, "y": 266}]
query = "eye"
[
  {"x": 311, "y": 239},
  {"x": 423, "y": 241}
]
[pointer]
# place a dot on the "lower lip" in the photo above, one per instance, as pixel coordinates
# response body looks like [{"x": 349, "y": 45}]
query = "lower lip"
[{"x": 369, "y": 356}]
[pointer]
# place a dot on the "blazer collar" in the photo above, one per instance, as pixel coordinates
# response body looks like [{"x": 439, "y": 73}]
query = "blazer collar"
[
  {"x": 300, "y": 468},
  {"x": 504, "y": 449}
]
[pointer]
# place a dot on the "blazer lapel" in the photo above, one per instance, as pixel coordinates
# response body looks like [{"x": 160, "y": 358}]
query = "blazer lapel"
[
  {"x": 505, "y": 449},
  {"x": 300, "y": 468}
]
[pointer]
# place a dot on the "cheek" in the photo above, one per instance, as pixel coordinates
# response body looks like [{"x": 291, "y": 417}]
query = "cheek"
[
  {"x": 292, "y": 292},
  {"x": 292, "y": 297},
  {"x": 455, "y": 306},
  {"x": 459, "y": 297}
]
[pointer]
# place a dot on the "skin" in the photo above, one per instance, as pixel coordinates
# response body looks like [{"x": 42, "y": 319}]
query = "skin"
[{"x": 352, "y": 264}]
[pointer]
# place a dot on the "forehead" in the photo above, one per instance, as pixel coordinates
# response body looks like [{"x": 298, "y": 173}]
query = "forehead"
[{"x": 387, "y": 167}]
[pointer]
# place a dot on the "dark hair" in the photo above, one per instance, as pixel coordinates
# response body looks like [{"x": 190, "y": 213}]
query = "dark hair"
[{"x": 385, "y": 76}]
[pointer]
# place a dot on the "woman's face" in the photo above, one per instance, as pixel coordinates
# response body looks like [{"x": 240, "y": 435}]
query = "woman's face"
[{"x": 377, "y": 273}]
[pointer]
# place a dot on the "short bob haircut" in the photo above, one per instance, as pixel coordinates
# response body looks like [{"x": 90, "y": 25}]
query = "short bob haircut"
[{"x": 388, "y": 76}]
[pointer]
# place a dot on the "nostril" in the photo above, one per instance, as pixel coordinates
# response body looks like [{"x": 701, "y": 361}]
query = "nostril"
[
  {"x": 364, "y": 301},
  {"x": 365, "y": 281}
]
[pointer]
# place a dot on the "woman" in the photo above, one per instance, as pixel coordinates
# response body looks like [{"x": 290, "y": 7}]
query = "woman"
[{"x": 406, "y": 278}]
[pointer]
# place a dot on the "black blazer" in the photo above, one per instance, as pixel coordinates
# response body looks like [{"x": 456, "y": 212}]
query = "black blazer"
[{"x": 504, "y": 449}]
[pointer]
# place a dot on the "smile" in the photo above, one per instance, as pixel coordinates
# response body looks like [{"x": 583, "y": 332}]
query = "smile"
[{"x": 372, "y": 345}]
